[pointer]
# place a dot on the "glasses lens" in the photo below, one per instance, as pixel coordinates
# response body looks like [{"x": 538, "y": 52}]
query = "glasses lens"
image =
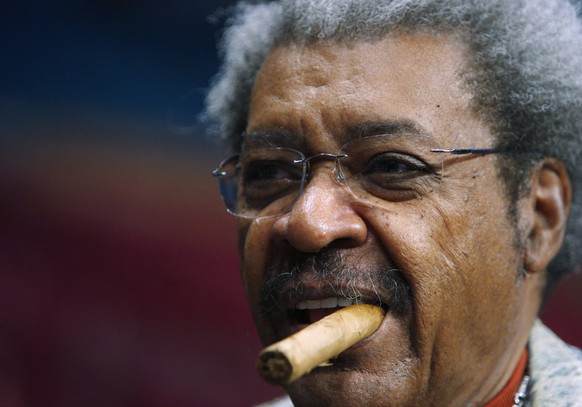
[
  {"x": 392, "y": 168},
  {"x": 227, "y": 173},
  {"x": 262, "y": 182}
]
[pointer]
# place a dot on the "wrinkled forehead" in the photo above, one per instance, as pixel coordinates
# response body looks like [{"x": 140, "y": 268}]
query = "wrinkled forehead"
[
  {"x": 326, "y": 88},
  {"x": 367, "y": 56}
]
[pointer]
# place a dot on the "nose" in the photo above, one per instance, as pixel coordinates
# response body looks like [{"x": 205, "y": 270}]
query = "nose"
[{"x": 325, "y": 214}]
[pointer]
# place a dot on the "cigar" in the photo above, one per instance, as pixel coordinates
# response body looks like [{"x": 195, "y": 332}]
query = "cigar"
[{"x": 289, "y": 359}]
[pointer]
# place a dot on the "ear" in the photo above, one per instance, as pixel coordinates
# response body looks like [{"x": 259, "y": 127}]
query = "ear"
[{"x": 549, "y": 201}]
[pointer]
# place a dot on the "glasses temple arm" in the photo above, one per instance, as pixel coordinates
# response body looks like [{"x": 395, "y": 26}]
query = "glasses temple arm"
[{"x": 460, "y": 151}]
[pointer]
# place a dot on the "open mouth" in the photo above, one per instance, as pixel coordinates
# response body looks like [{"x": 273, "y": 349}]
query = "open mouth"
[{"x": 307, "y": 312}]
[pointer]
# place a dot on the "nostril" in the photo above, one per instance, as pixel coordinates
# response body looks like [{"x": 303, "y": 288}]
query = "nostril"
[{"x": 345, "y": 243}]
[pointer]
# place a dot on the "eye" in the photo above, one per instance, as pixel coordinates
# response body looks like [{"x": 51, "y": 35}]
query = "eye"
[
  {"x": 395, "y": 177},
  {"x": 259, "y": 172},
  {"x": 394, "y": 167},
  {"x": 264, "y": 181}
]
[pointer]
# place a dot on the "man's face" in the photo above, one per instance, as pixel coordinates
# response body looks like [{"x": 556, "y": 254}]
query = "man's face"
[{"x": 444, "y": 264}]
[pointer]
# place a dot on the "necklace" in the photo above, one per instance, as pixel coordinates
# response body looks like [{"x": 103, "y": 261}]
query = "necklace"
[{"x": 521, "y": 397}]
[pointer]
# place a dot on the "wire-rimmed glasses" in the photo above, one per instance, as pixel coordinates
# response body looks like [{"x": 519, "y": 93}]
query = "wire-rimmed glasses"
[{"x": 265, "y": 181}]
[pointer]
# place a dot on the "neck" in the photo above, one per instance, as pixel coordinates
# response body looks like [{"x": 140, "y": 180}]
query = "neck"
[{"x": 506, "y": 397}]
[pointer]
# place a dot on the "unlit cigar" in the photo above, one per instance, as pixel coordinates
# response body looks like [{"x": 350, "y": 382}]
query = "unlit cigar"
[{"x": 289, "y": 359}]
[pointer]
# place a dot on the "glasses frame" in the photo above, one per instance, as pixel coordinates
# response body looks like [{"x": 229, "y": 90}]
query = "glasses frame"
[{"x": 218, "y": 172}]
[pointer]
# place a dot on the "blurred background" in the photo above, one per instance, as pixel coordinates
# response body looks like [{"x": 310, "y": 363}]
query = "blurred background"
[{"x": 118, "y": 270}]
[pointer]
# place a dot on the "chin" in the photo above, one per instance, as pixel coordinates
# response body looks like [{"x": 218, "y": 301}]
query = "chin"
[{"x": 338, "y": 386}]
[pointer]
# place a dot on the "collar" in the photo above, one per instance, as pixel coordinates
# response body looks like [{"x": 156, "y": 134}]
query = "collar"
[{"x": 514, "y": 392}]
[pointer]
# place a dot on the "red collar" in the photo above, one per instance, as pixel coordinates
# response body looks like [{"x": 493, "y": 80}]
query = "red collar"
[{"x": 505, "y": 397}]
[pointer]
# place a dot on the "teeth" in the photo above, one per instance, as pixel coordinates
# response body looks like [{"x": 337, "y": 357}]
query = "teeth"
[
  {"x": 331, "y": 302},
  {"x": 344, "y": 302}
]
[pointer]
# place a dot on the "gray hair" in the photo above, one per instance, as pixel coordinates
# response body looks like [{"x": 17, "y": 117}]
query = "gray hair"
[{"x": 526, "y": 72}]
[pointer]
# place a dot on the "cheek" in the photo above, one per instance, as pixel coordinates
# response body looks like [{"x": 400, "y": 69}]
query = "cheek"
[
  {"x": 454, "y": 260},
  {"x": 253, "y": 242},
  {"x": 413, "y": 240}
]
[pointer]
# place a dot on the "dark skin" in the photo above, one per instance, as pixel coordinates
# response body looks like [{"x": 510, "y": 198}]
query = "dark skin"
[{"x": 472, "y": 307}]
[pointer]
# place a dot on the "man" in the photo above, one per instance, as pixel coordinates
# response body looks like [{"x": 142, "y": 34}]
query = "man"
[{"x": 345, "y": 117}]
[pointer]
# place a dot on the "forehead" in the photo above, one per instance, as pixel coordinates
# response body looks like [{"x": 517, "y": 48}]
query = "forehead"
[{"x": 320, "y": 91}]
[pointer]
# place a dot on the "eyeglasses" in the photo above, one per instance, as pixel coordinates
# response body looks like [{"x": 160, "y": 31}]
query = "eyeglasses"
[{"x": 267, "y": 181}]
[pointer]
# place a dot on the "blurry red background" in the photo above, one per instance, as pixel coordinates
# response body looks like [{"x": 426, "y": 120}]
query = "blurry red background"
[{"x": 119, "y": 278}]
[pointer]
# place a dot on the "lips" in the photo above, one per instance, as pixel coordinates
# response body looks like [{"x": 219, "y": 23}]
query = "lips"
[
  {"x": 305, "y": 304},
  {"x": 302, "y": 289},
  {"x": 307, "y": 312}
]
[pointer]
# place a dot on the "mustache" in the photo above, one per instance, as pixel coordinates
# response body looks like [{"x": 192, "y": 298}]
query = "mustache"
[{"x": 330, "y": 268}]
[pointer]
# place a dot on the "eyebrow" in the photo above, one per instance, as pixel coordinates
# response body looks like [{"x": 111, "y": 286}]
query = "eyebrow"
[
  {"x": 280, "y": 137},
  {"x": 374, "y": 128}
]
